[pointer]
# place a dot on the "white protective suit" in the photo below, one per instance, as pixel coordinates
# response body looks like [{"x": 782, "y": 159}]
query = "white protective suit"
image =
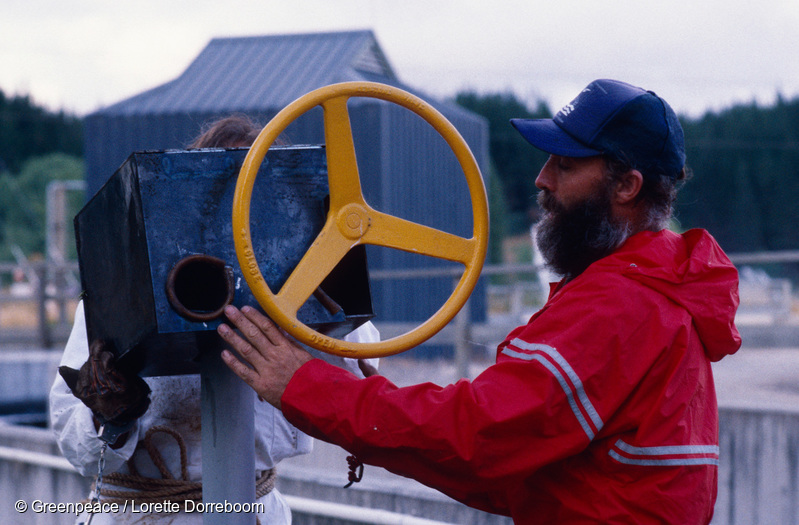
[{"x": 175, "y": 404}]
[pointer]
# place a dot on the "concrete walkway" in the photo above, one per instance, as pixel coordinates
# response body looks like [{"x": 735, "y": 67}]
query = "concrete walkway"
[{"x": 759, "y": 378}]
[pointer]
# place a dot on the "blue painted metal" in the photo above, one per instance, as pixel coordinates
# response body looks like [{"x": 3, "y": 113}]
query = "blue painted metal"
[
  {"x": 403, "y": 170},
  {"x": 161, "y": 208},
  {"x": 251, "y": 73}
]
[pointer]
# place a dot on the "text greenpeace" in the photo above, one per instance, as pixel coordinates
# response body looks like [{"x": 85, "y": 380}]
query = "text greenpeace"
[
  {"x": 91, "y": 507},
  {"x": 137, "y": 507}
]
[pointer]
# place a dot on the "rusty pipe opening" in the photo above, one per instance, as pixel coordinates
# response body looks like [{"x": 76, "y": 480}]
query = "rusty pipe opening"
[{"x": 199, "y": 287}]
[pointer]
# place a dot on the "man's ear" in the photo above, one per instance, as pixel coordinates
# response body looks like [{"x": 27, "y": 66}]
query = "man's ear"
[{"x": 628, "y": 188}]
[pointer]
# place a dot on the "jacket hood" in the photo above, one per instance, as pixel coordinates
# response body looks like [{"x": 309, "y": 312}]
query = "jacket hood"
[{"x": 691, "y": 270}]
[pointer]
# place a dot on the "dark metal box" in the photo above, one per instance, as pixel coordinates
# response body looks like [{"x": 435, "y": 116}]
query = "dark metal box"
[{"x": 157, "y": 258}]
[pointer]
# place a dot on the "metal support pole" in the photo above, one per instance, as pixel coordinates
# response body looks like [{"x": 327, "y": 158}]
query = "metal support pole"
[
  {"x": 462, "y": 324},
  {"x": 58, "y": 235},
  {"x": 45, "y": 335},
  {"x": 57, "y": 227},
  {"x": 228, "y": 439}
]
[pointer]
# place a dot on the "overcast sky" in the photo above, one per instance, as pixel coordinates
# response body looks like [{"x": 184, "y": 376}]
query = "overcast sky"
[{"x": 80, "y": 55}]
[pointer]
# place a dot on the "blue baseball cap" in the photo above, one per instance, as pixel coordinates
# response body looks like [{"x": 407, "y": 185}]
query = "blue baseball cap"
[{"x": 617, "y": 119}]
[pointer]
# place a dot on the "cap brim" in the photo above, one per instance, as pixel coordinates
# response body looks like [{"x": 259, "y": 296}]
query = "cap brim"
[{"x": 547, "y": 136}]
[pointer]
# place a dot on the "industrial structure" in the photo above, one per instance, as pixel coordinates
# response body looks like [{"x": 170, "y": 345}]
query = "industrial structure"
[{"x": 406, "y": 167}]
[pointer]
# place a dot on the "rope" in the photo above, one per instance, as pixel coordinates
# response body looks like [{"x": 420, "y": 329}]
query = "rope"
[
  {"x": 154, "y": 490},
  {"x": 355, "y": 473}
]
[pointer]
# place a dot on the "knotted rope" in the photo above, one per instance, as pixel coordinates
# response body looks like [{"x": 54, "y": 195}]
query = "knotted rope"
[{"x": 154, "y": 490}]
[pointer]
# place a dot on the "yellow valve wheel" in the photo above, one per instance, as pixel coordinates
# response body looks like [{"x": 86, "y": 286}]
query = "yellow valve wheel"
[{"x": 351, "y": 221}]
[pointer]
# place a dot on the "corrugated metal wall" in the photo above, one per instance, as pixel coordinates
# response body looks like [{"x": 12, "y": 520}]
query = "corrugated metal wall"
[
  {"x": 111, "y": 138},
  {"x": 406, "y": 168},
  {"x": 422, "y": 181}
]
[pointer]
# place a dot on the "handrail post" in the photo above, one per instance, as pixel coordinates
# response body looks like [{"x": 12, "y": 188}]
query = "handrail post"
[
  {"x": 45, "y": 336},
  {"x": 462, "y": 325}
]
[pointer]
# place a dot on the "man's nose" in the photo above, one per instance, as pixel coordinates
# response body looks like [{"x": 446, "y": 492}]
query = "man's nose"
[{"x": 544, "y": 181}]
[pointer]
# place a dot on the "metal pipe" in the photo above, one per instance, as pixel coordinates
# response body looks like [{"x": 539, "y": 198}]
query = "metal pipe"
[
  {"x": 354, "y": 514},
  {"x": 56, "y": 220},
  {"x": 38, "y": 459},
  {"x": 199, "y": 287},
  {"x": 461, "y": 324},
  {"x": 228, "y": 439}
]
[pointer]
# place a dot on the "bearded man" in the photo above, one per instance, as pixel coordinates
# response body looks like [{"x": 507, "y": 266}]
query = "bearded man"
[{"x": 602, "y": 408}]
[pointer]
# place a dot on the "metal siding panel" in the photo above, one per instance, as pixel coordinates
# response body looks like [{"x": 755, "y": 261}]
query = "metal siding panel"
[
  {"x": 367, "y": 126},
  {"x": 206, "y": 88},
  {"x": 238, "y": 74},
  {"x": 474, "y": 130},
  {"x": 447, "y": 199},
  {"x": 411, "y": 194},
  {"x": 260, "y": 75},
  {"x": 288, "y": 82},
  {"x": 92, "y": 149},
  {"x": 99, "y": 137},
  {"x": 253, "y": 79}
]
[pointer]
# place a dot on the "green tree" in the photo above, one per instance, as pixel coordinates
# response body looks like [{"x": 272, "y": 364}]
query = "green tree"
[
  {"x": 498, "y": 223},
  {"x": 23, "y": 202},
  {"x": 516, "y": 163},
  {"x": 745, "y": 186},
  {"x": 27, "y": 130},
  {"x": 745, "y": 163}
]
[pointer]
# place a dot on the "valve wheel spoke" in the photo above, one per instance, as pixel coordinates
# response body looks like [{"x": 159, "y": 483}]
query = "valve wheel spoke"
[{"x": 351, "y": 221}]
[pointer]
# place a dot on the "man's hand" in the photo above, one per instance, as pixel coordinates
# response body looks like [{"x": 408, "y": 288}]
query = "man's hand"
[{"x": 272, "y": 357}]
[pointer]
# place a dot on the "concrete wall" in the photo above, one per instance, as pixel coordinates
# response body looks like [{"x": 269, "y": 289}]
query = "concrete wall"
[
  {"x": 758, "y": 468},
  {"x": 758, "y": 478},
  {"x": 31, "y": 469},
  {"x": 27, "y": 375}
]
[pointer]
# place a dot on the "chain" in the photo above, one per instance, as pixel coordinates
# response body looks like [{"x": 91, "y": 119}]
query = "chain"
[
  {"x": 100, "y": 469},
  {"x": 99, "y": 483}
]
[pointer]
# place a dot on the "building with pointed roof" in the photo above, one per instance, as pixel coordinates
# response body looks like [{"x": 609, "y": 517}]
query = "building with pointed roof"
[
  {"x": 406, "y": 168},
  {"x": 249, "y": 74}
]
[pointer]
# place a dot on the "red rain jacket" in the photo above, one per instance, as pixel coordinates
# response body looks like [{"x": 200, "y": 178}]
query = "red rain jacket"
[{"x": 601, "y": 409}]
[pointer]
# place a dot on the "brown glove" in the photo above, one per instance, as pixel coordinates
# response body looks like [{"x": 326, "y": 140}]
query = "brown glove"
[{"x": 115, "y": 396}]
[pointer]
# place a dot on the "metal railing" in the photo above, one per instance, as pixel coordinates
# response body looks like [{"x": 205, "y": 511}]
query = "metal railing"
[
  {"x": 43, "y": 463},
  {"x": 37, "y": 302},
  {"x": 38, "y": 298}
]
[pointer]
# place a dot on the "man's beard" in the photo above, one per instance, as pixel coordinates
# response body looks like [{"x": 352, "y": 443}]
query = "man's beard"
[{"x": 572, "y": 238}]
